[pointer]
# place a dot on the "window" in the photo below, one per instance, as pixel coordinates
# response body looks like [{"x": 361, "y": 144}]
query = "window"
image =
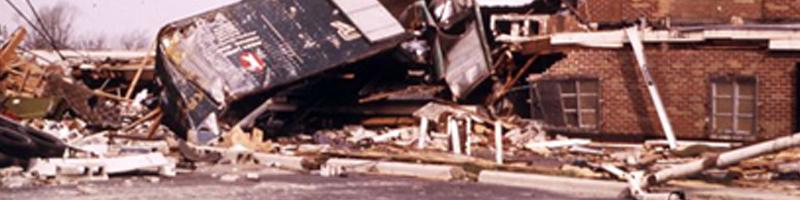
[
  {"x": 733, "y": 106},
  {"x": 579, "y": 101}
]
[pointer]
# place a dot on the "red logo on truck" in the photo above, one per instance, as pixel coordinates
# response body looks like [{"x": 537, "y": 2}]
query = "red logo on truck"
[{"x": 251, "y": 61}]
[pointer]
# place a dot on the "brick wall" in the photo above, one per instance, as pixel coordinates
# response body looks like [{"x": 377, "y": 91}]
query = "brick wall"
[
  {"x": 781, "y": 9},
  {"x": 682, "y": 76},
  {"x": 683, "y": 11}
]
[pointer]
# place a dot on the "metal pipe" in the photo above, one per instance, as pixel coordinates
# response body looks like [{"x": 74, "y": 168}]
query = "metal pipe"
[
  {"x": 724, "y": 159},
  {"x": 638, "y": 50}
]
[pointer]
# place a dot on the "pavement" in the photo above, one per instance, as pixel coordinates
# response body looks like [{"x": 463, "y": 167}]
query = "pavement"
[{"x": 274, "y": 184}]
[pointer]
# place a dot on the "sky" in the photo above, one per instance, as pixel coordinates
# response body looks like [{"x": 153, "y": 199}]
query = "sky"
[{"x": 113, "y": 18}]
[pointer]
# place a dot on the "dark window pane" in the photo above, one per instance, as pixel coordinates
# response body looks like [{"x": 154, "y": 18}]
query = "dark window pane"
[
  {"x": 588, "y": 119},
  {"x": 724, "y": 123},
  {"x": 724, "y": 88},
  {"x": 745, "y": 124},
  {"x": 747, "y": 89},
  {"x": 588, "y": 87},
  {"x": 568, "y": 87},
  {"x": 588, "y": 103},
  {"x": 746, "y": 106},
  {"x": 572, "y": 119},
  {"x": 724, "y": 105},
  {"x": 571, "y": 103}
]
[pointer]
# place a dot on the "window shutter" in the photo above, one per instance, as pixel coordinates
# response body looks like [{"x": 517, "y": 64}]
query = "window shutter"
[{"x": 550, "y": 102}]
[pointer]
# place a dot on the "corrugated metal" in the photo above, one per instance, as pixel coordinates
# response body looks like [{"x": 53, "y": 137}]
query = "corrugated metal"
[
  {"x": 466, "y": 64},
  {"x": 371, "y": 18},
  {"x": 504, "y": 3}
]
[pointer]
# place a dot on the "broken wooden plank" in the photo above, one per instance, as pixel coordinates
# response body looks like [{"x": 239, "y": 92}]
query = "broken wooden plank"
[
  {"x": 511, "y": 82},
  {"x": 151, "y": 131},
  {"x": 558, "y": 143},
  {"x": 101, "y": 93},
  {"x": 135, "y": 80},
  {"x": 148, "y": 116},
  {"x": 8, "y": 52},
  {"x": 471, "y": 165}
]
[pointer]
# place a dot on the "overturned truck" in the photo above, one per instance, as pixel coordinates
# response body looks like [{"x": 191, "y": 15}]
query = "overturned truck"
[{"x": 297, "y": 58}]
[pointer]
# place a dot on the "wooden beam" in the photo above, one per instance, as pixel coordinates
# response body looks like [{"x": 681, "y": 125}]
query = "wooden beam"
[
  {"x": 101, "y": 93},
  {"x": 154, "y": 125},
  {"x": 510, "y": 83},
  {"x": 135, "y": 80},
  {"x": 153, "y": 113}
]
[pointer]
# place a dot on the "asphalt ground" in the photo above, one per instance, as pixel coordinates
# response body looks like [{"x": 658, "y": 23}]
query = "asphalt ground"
[{"x": 274, "y": 184}]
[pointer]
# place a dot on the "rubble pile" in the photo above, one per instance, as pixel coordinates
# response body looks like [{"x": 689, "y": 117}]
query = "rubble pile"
[
  {"x": 416, "y": 81},
  {"x": 70, "y": 121}
]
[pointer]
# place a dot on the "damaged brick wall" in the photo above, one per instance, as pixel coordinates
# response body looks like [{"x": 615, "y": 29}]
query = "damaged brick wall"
[
  {"x": 779, "y": 10},
  {"x": 690, "y": 11},
  {"x": 683, "y": 77}
]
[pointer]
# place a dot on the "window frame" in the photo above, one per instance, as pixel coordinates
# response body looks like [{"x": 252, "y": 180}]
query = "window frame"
[
  {"x": 578, "y": 94},
  {"x": 735, "y": 114}
]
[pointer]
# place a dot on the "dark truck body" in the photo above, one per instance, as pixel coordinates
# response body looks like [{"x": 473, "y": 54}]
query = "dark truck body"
[
  {"x": 246, "y": 49},
  {"x": 231, "y": 59}
]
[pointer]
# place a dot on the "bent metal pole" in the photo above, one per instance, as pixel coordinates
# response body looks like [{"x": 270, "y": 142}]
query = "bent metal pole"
[
  {"x": 725, "y": 159},
  {"x": 638, "y": 50}
]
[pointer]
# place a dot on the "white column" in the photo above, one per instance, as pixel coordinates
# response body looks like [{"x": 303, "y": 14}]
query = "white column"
[
  {"x": 498, "y": 142},
  {"x": 422, "y": 138},
  {"x": 455, "y": 141},
  {"x": 468, "y": 131}
]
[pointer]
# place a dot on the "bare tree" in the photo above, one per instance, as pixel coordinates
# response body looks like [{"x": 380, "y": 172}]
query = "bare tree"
[
  {"x": 134, "y": 40},
  {"x": 91, "y": 43},
  {"x": 3, "y": 33},
  {"x": 55, "y": 21}
]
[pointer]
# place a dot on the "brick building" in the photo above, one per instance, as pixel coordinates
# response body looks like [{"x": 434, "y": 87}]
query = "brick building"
[
  {"x": 720, "y": 89},
  {"x": 690, "y": 11},
  {"x": 725, "y": 69}
]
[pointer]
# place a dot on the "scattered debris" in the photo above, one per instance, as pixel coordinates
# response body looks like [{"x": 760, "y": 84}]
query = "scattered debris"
[
  {"x": 252, "y": 176},
  {"x": 375, "y": 85},
  {"x": 229, "y": 178}
]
